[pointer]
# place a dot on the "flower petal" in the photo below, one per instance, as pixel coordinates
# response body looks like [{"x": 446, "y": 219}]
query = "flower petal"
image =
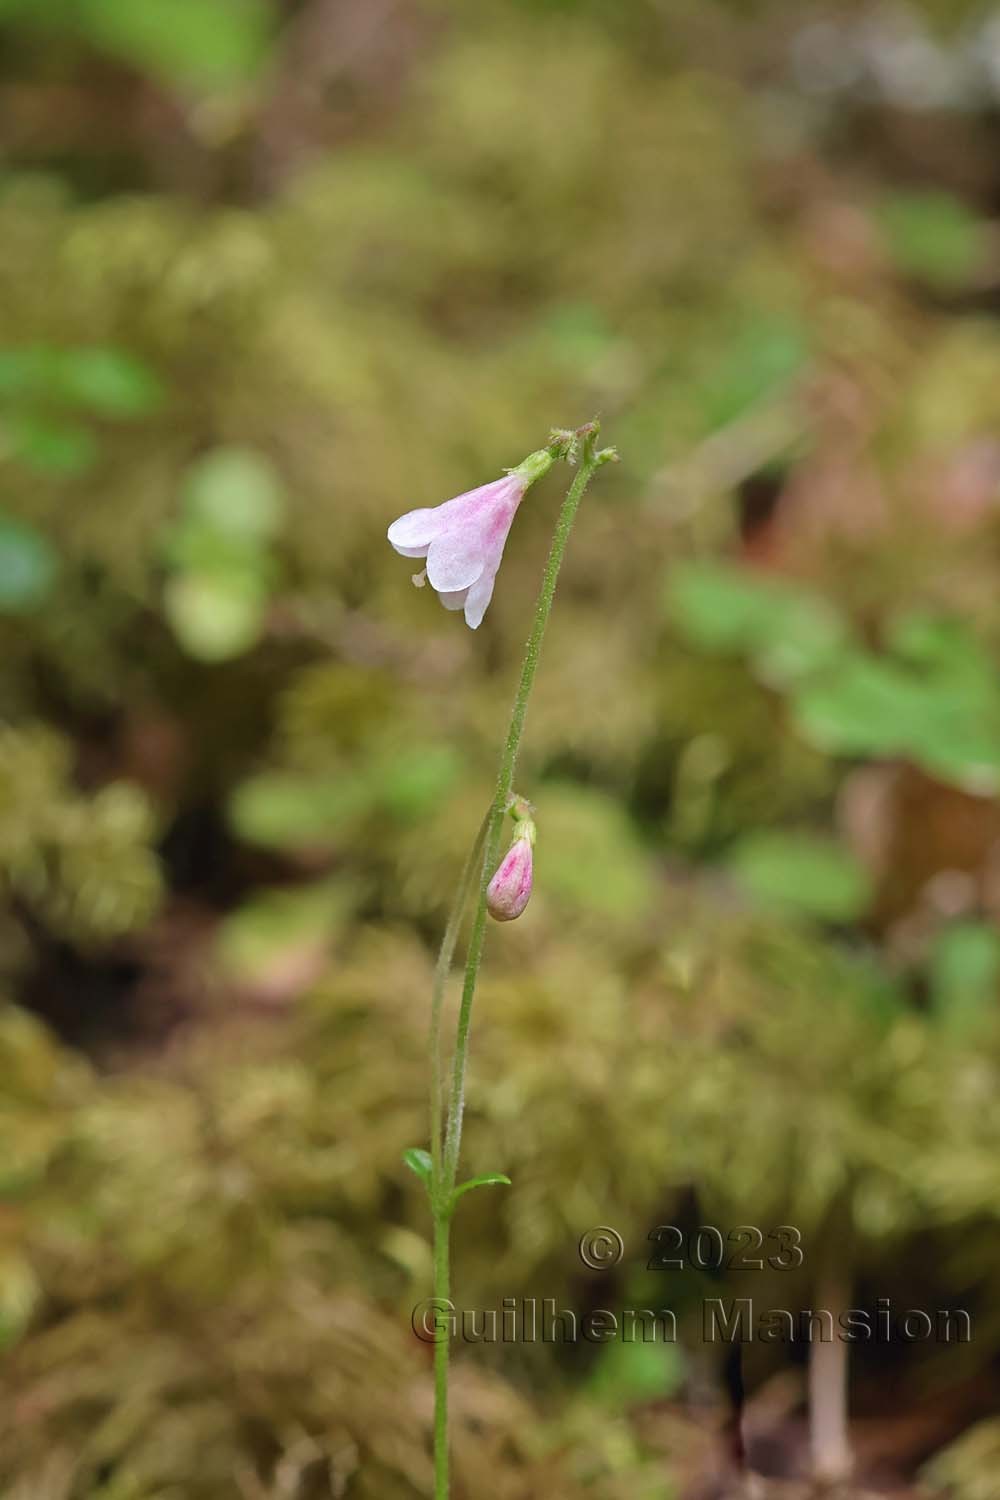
[
  {"x": 413, "y": 533},
  {"x": 455, "y": 560},
  {"x": 454, "y": 600},
  {"x": 478, "y": 598}
]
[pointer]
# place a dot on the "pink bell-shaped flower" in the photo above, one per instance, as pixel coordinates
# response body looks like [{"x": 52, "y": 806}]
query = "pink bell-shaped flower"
[{"x": 463, "y": 539}]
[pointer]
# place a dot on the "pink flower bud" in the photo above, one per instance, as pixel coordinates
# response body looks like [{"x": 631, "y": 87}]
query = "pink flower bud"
[{"x": 507, "y": 893}]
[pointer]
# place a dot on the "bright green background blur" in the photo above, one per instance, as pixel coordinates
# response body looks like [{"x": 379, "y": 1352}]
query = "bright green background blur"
[{"x": 269, "y": 276}]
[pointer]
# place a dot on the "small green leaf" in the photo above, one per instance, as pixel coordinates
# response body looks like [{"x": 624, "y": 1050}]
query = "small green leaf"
[
  {"x": 235, "y": 492},
  {"x": 723, "y": 607},
  {"x": 965, "y": 976},
  {"x": 106, "y": 381},
  {"x": 285, "y": 810},
  {"x": 802, "y": 872},
  {"x": 214, "y": 616},
  {"x": 278, "y": 923},
  {"x": 489, "y": 1179},
  {"x": 630, "y": 1370},
  {"x": 418, "y": 1160},
  {"x": 933, "y": 237},
  {"x": 594, "y": 861},
  {"x": 195, "y": 546},
  {"x": 412, "y": 781},
  {"x": 25, "y": 372},
  {"x": 759, "y": 360},
  {"x": 51, "y": 447},
  {"x": 291, "y": 809},
  {"x": 577, "y": 332},
  {"x": 945, "y": 715},
  {"x": 197, "y": 42},
  {"x": 27, "y": 566},
  {"x": 866, "y": 706}
]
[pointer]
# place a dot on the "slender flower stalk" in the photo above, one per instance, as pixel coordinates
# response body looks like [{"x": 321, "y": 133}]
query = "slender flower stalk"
[
  {"x": 442, "y": 969},
  {"x": 482, "y": 863}
]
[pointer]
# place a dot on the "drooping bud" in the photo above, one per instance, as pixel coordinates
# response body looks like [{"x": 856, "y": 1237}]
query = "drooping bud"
[{"x": 508, "y": 892}]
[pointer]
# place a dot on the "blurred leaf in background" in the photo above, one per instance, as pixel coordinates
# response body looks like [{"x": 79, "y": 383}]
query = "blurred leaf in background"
[
  {"x": 802, "y": 873},
  {"x": 224, "y": 568},
  {"x": 935, "y": 238},
  {"x": 964, "y": 973},
  {"x": 28, "y": 567},
  {"x": 43, "y": 388},
  {"x": 788, "y": 632},
  {"x": 204, "y": 42}
]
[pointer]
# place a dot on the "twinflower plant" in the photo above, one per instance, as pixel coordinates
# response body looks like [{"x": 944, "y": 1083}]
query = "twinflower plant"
[{"x": 463, "y": 542}]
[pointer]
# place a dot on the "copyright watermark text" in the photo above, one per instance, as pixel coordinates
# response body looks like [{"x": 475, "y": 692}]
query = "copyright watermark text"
[{"x": 732, "y": 1320}]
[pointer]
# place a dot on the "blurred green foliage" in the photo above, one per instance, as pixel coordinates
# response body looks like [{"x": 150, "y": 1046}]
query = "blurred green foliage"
[
  {"x": 934, "y": 237},
  {"x": 268, "y": 281},
  {"x": 219, "y": 551},
  {"x": 82, "y": 865}
]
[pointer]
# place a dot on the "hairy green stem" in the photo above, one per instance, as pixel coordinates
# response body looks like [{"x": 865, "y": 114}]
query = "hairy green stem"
[
  {"x": 441, "y": 971},
  {"x": 446, "y": 1168},
  {"x": 441, "y": 1212},
  {"x": 442, "y": 1349}
]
